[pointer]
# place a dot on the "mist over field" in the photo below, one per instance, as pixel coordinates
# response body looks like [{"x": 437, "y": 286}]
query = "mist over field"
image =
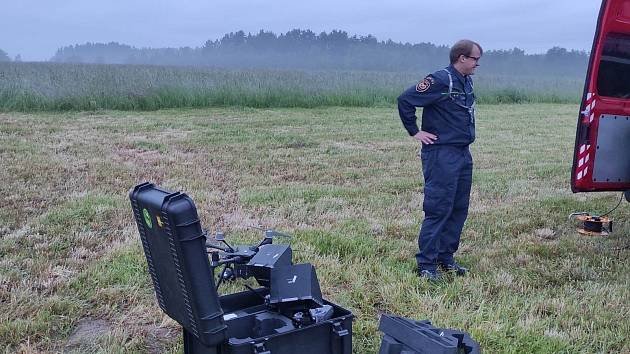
[
  {"x": 298, "y": 68},
  {"x": 337, "y": 50}
]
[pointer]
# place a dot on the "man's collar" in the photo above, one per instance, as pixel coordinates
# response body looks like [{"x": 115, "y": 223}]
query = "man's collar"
[{"x": 455, "y": 72}]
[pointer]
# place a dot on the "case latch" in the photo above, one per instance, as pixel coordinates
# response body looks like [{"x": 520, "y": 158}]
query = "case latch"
[
  {"x": 259, "y": 348},
  {"x": 339, "y": 330}
]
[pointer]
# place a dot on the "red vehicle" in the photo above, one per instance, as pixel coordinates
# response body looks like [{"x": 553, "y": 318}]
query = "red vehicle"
[{"x": 601, "y": 161}]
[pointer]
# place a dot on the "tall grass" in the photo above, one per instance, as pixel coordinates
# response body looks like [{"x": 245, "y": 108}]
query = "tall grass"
[{"x": 63, "y": 87}]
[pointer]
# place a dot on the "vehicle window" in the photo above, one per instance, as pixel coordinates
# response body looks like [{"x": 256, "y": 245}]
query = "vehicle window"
[{"x": 613, "y": 79}]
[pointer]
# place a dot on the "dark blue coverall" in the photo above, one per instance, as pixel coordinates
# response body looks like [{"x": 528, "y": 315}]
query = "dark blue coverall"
[{"x": 446, "y": 164}]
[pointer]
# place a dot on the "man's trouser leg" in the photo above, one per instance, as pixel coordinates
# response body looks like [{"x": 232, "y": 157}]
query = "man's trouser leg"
[
  {"x": 440, "y": 167},
  {"x": 452, "y": 231}
]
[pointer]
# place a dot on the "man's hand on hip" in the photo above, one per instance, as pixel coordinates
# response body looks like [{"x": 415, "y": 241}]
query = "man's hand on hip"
[{"x": 425, "y": 138}]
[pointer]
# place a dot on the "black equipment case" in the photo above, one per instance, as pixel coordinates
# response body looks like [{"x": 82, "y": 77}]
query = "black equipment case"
[
  {"x": 405, "y": 336},
  {"x": 241, "y": 323}
]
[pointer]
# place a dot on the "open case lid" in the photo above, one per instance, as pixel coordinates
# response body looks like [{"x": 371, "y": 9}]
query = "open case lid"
[
  {"x": 601, "y": 158},
  {"x": 175, "y": 248}
]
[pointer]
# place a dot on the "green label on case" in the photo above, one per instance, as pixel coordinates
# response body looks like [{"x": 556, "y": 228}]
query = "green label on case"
[{"x": 147, "y": 218}]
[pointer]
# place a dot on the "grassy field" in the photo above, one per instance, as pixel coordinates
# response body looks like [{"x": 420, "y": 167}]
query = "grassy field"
[
  {"x": 66, "y": 87},
  {"x": 345, "y": 182}
]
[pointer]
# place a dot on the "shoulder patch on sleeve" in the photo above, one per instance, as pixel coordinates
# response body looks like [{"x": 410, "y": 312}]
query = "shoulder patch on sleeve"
[{"x": 425, "y": 84}]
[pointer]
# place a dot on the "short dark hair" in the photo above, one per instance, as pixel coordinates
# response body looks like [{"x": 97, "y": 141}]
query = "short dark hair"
[{"x": 463, "y": 47}]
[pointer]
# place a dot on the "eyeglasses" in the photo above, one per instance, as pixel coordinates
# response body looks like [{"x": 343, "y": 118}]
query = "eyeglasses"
[{"x": 476, "y": 59}]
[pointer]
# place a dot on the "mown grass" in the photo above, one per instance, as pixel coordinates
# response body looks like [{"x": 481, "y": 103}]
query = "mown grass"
[
  {"x": 345, "y": 182},
  {"x": 88, "y": 87}
]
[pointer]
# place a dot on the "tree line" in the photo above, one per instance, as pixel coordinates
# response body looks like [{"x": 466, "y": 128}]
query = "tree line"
[
  {"x": 4, "y": 56},
  {"x": 335, "y": 50}
]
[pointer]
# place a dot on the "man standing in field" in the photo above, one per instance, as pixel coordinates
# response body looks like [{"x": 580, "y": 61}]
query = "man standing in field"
[{"x": 448, "y": 127}]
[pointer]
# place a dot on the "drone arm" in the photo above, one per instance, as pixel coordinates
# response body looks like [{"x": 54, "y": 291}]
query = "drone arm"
[
  {"x": 237, "y": 259},
  {"x": 217, "y": 247},
  {"x": 265, "y": 241},
  {"x": 227, "y": 244}
]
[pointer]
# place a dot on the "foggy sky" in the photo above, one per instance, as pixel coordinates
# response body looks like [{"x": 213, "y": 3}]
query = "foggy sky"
[{"x": 35, "y": 29}]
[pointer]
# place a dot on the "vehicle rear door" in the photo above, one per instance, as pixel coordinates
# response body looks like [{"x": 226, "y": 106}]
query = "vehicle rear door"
[{"x": 601, "y": 160}]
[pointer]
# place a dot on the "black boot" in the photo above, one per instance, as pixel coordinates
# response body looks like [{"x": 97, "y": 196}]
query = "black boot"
[
  {"x": 431, "y": 275},
  {"x": 454, "y": 267}
]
